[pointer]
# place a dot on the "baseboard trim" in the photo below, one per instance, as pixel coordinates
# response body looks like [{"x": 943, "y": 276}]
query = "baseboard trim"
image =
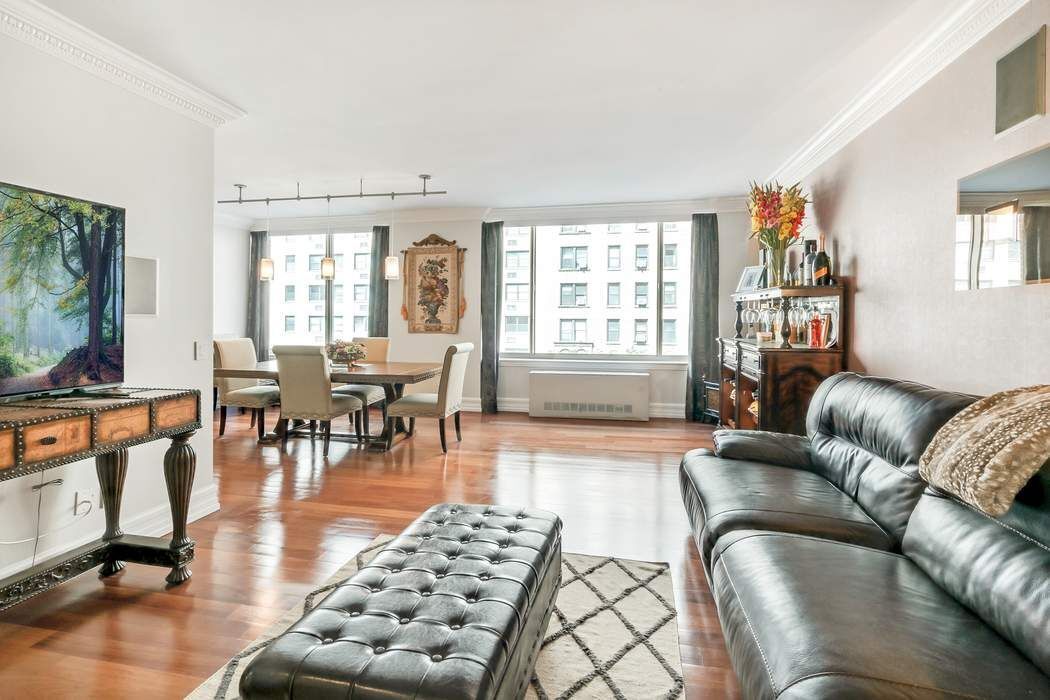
[{"x": 154, "y": 522}]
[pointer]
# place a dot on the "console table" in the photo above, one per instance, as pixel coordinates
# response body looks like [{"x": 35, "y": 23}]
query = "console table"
[{"x": 39, "y": 434}]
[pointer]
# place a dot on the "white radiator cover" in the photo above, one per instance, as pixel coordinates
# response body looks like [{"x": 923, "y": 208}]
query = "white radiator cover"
[{"x": 604, "y": 395}]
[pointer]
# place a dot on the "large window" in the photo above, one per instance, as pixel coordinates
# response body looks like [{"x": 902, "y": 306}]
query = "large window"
[
  {"x": 315, "y": 315},
  {"x": 548, "y": 277}
]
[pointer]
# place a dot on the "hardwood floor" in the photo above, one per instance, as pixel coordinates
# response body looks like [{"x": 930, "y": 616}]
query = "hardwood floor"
[{"x": 288, "y": 521}]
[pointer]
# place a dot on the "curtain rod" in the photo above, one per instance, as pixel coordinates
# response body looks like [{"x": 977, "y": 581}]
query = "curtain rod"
[{"x": 360, "y": 195}]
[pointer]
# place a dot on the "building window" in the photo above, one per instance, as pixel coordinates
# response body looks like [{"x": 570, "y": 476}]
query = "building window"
[
  {"x": 316, "y": 293},
  {"x": 289, "y": 263},
  {"x": 641, "y": 294},
  {"x": 641, "y": 257},
  {"x": 573, "y": 330},
  {"x": 361, "y": 325},
  {"x": 337, "y": 292},
  {"x": 516, "y": 324},
  {"x": 361, "y": 292},
  {"x": 289, "y": 292},
  {"x": 315, "y": 263},
  {"x": 630, "y": 273},
  {"x": 641, "y": 331},
  {"x": 315, "y": 324},
  {"x": 574, "y": 295},
  {"x": 337, "y": 327},
  {"x": 289, "y": 324},
  {"x": 670, "y": 256},
  {"x": 670, "y": 334},
  {"x": 574, "y": 257},
  {"x": 362, "y": 261},
  {"x": 670, "y": 294}
]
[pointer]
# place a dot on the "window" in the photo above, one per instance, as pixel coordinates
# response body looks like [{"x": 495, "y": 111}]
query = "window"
[
  {"x": 316, "y": 292},
  {"x": 670, "y": 293},
  {"x": 316, "y": 324},
  {"x": 360, "y": 292},
  {"x": 670, "y": 256},
  {"x": 669, "y": 331},
  {"x": 574, "y": 295},
  {"x": 337, "y": 292},
  {"x": 360, "y": 325},
  {"x": 337, "y": 326},
  {"x": 574, "y": 257},
  {"x": 573, "y": 330},
  {"x": 641, "y": 294},
  {"x": 315, "y": 263},
  {"x": 289, "y": 324},
  {"x": 516, "y": 324},
  {"x": 641, "y": 331},
  {"x": 289, "y": 263},
  {"x": 641, "y": 257},
  {"x": 289, "y": 292},
  {"x": 556, "y": 302},
  {"x": 362, "y": 261}
]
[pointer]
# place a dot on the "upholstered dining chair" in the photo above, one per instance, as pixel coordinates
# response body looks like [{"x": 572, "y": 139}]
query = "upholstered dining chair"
[
  {"x": 376, "y": 350},
  {"x": 305, "y": 377},
  {"x": 447, "y": 402},
  {"x": 239, "y": 353}
]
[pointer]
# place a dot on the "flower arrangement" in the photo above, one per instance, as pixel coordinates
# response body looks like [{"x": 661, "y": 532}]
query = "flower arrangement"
[
  {"x": 777, "y": 214},
  {"x": 345, "y": 352}
]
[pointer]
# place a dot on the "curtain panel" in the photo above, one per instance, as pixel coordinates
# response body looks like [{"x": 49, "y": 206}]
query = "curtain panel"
[
  {"x": 378, "y": 286},
  {"x": 703, "y": 327},
  {"x": 258, "y": 321},
  {"x": 491, "y": 302}
]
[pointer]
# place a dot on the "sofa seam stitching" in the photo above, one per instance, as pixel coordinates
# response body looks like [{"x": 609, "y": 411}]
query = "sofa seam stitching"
[
  {"x": 750, "y": 627},
  {"x": 873, "y": 678},
  {"x": 813, "y": 538}
]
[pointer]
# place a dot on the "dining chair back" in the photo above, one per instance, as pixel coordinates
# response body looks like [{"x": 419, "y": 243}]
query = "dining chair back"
[
  {"x": 378, "y": 349},
  {"x": 234, "y": 353},
  {"x": 305, "y": 377},
  {"x": 453, "y": 372}
]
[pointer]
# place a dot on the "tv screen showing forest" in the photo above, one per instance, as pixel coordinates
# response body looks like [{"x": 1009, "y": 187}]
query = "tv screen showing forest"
[{"x": 61, "y": 292}]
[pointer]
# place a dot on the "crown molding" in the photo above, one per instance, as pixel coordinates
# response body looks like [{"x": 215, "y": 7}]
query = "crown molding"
[
  {"x": 938, "y": 48},
  {"x": 43, "y": 28},
  {"x": 616, "y": 213}
]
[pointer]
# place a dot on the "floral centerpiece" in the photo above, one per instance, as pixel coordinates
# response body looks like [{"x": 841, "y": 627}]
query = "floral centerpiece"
[
  {"x": 344, "y": 352},
  {"x": 776, "y": 220}
]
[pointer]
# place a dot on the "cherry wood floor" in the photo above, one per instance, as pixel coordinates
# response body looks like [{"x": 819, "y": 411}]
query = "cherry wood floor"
[{"x": 289, "y": 520}]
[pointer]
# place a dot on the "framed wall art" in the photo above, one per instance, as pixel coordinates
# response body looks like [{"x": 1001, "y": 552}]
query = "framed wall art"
[{"x": 433, "y": 291}]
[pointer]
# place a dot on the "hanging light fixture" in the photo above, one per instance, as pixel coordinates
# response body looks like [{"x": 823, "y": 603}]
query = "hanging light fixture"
[
  {"x": 328, "y": 262},
  {"x": 265, "y": 264},
  {"x": 392, "y": 264}
]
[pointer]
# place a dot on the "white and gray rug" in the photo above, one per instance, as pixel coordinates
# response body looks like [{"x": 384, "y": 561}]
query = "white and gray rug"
[{"x": 613, "y": 633}]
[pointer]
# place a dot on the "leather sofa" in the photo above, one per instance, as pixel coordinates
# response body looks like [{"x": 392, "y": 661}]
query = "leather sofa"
[{"x": 838, "y": 572}]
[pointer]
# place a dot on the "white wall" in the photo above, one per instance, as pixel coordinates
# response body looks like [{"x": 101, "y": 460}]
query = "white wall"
[
  {"x": 230, "y": 277},
  {"x": 69, "y": 132},
  {"x": 888, "y": 201}
]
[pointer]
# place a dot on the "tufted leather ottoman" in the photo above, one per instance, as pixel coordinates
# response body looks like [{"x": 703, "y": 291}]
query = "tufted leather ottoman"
[{"x": 455, "y": 607}]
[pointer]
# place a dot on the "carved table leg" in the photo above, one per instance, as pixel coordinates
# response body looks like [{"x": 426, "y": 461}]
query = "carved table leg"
[
  {"x": 180, "y": 465},
  {"x": 112, "y": 468}
]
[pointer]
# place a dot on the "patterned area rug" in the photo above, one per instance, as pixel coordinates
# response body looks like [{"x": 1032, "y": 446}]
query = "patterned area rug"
[{"x": 613, "y": 633}]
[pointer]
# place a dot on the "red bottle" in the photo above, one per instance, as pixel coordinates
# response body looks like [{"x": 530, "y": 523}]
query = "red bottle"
[{"x": 815, "y": 331}]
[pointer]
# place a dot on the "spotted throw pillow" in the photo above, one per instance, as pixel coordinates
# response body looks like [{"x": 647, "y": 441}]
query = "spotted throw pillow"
[{"x": 990, "y": 449}]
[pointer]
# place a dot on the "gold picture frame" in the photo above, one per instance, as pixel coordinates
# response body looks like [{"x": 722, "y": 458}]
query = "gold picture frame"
[{"x": 433, "y": 286}]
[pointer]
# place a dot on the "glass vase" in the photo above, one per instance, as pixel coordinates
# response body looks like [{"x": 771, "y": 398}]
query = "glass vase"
[{"x": 776, "y": 259}]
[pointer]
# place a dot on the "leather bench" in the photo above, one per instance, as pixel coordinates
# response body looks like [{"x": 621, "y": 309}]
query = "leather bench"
[{"x": 454, "y": 607}]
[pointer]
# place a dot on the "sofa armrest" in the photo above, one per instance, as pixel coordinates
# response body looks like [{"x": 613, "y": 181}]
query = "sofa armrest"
[{"x": 781, "y": 449}]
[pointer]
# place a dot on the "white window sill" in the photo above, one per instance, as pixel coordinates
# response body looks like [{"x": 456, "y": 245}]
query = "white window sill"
[{"x": 591, "y": 364}]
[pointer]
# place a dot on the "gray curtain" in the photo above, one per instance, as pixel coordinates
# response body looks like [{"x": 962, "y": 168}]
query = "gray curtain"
[
  {"x": 257, "y": 327},
  {"x": 491, "y": 298},
  {"x": 378, "y": 287},
  {"x": 703, "y": 327}
]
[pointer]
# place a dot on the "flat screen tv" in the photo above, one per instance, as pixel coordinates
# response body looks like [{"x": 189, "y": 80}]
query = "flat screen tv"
[{"x": 61, "y": 293}]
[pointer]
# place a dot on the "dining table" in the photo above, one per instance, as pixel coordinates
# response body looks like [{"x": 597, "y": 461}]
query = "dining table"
[{"x": 392, "y": 376}]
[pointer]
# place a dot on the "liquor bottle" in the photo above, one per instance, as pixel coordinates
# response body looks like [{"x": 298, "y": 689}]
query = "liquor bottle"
[
  {"x": 821, "y": 266},
  {"x": 808, "y": 260},
  {"x": 815, "y": 331}
]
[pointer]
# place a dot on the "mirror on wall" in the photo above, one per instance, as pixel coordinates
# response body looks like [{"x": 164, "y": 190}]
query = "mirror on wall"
[{"x": 1002, "y": 228}]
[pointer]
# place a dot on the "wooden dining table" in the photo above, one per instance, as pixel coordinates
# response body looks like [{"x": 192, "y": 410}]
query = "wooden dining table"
[{"x": 392, "y": 376}]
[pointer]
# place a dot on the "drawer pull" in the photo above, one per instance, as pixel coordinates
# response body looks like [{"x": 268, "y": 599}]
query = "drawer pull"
[{"x": 48, "y": 440}]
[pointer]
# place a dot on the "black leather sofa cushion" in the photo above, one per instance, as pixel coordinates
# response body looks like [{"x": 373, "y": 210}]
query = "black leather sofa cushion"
[
  {"x": 724, "y": 495},
  {"x": 781, "y": 449},
  {"x": 811, "y": 618},
  {"x": 455, "y": 607}
]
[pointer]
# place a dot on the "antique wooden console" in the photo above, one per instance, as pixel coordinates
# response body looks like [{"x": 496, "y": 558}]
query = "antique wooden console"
[
  {"x": 39, "y": 434},
  {"x": 768, "y": 384}
]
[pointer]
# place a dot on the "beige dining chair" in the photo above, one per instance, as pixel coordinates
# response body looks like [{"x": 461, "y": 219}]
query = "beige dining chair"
[
  {"x": 447, "y": 402},
  {"x": 239, "y": 353},
  {"x": 376, "y": 350},
  {"x": 304, "y": 375}
]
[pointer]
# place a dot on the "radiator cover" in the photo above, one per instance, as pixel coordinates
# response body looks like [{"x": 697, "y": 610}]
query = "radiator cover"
[{"x": 602, "y": 395}]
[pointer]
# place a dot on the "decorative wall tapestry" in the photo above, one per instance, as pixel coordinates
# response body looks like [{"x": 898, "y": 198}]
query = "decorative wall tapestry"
[{"x": 433, "y": 291}]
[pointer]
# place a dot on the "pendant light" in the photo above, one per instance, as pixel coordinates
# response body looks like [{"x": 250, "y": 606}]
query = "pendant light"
[
  {"x": 328, "y": 262},
  {"x": 265, "y": 264},
  {"x": 391, "y": 263}
]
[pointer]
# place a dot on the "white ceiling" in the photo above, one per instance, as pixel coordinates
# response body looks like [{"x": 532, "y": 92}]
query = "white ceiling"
[{"x": 512, "y": 104}]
